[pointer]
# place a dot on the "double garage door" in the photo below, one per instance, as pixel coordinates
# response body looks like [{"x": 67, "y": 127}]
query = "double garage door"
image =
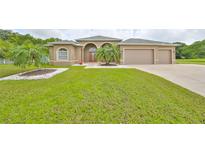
[{"x": 146, "y": 56}]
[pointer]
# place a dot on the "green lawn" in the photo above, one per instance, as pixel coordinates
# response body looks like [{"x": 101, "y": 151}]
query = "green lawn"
[
  {"x": 191, "y": 61},
  {"x": 99, "y": 96}
]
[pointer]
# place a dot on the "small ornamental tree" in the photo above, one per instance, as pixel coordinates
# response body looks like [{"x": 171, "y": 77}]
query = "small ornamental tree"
[
  {"x": 28, "y": 54},
  {"x": 108, "y": 53}
]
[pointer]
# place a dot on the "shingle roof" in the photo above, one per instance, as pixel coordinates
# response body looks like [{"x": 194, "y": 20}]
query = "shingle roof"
[
  {"x": 131, "y": 41},
  {"x": 143, "y": 41},
  {"x": 99, "y": 38}
]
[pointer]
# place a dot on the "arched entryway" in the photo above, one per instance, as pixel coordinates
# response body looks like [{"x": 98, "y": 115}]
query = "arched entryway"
[
  {"x": 89, "y": 52},
  {"x": 106, "y": 44}
]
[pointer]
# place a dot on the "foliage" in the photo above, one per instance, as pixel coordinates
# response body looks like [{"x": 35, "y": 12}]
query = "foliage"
[
  {"x": 4, "y": 49},
  {"x": 179, "y": 49},
  {"x": 28, "y": 54},
  {"x": 19, "y": 39},
  {"x": 195, "y": 50},
  {"x": 98, "y": 96},
  {"x": 108, "y": 53}
]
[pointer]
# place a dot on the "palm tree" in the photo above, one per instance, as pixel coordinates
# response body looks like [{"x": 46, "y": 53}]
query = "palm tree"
[
  {"x": 116, "y": 52},
  {"x": 28, "y": 54},
  {"x": 108, "y": 54}
]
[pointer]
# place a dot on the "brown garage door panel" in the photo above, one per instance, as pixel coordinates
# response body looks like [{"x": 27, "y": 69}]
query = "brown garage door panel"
[
  {"x": 164, "y": 57},
  {"x": 138, "y": 56}
]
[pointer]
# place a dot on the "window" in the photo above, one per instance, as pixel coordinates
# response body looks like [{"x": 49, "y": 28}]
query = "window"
[
  {"x": 62, "y": 54},
  {"x": 92, "y": 49}
]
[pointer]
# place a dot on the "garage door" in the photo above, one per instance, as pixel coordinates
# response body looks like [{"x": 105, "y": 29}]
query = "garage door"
[
  {"x": 138, "y": 56},
  {"x": 164, "y": 57}
]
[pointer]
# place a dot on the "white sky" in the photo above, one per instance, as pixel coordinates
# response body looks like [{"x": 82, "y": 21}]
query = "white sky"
[{"x": 167, "y": 35}]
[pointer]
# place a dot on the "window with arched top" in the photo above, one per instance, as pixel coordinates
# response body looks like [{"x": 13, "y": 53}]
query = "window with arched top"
[
  {"x": 92, "y": 49},
  {"x": 62, "y": 54}
]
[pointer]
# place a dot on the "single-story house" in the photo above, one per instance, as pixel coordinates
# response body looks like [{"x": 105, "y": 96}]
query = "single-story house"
[{"x": 133, "y": 51}]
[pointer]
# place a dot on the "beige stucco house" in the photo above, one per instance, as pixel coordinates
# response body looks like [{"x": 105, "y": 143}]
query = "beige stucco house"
[{"x": 133, "y": 51}]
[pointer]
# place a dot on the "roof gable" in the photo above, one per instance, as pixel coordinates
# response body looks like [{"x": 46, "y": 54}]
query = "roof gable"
[{"x": 99, "y": 38}]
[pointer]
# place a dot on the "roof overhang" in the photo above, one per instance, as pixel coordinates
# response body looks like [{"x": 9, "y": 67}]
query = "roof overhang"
[
  {"x": 63, "y": 43},
  {"x": 150, "y": 44}
]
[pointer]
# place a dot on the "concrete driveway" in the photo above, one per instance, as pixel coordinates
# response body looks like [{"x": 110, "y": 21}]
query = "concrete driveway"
[{"x": 189, "y": 76}]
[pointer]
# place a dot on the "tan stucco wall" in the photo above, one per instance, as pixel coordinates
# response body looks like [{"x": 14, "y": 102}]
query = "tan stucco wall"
[
  {"x": 155, "y": 48},
  {"x": 77, "y": 52},
  {"x": 73, "y": 51},
  {"x": 51, "y": 53}
]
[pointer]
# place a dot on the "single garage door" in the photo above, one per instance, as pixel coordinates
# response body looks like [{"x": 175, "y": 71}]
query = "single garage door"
[
  {"x": 164, "y": 57},
  {"x": 138, "y": 56}
]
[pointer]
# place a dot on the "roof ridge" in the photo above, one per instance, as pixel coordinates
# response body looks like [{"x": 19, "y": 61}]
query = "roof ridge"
[
  {"x": 142, "y": 40},
  {"x": 98, "y": 37}
]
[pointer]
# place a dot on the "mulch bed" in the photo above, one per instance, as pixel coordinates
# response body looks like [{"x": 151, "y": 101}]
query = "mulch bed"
[
  {"x": 38, "y": 72},
  {"x": 108, "y": 65}
]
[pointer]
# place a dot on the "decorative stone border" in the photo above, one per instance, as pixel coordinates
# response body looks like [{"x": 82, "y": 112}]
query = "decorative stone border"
[{"x": 36, "y": 77}]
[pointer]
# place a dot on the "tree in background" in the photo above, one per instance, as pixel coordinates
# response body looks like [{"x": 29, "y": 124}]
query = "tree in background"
[
  {"x": 179, "y": 49},
  {"x": 108, "y": 54},
  {"x": 4, "y": 49},
  {"x": 19, "y": 39},
  {"x": 194, "y": 50}
]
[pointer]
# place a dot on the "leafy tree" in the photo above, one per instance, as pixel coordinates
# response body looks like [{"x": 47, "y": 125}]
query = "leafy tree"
[
  {"x": 4, "y": 49},
  {"x": 108, "y": 54},
  {"x": 19, "y": 39},
  {"x": 195, "y": 50},
  {"x": 179, "y": 49},
  {"x": 5, "y": 34}
]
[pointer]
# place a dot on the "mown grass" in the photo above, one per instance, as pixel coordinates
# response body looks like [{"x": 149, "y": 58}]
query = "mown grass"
[
  {"x": 191, "y": 61},
  {"x": 99, "y": 96}
]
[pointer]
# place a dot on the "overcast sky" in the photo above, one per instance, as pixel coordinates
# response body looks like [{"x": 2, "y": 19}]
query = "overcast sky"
[{"x": 167, "y": 35}]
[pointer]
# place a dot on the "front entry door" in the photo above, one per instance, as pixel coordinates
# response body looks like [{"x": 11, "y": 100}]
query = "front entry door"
[{"x": 91, "y": 56}]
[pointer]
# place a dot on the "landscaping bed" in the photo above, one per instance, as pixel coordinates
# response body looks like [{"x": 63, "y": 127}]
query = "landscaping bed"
[
  {"x": 110, "y": 64},
  {"x": 43, "y": 73},
  {"x": 38, "y": 72}
]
